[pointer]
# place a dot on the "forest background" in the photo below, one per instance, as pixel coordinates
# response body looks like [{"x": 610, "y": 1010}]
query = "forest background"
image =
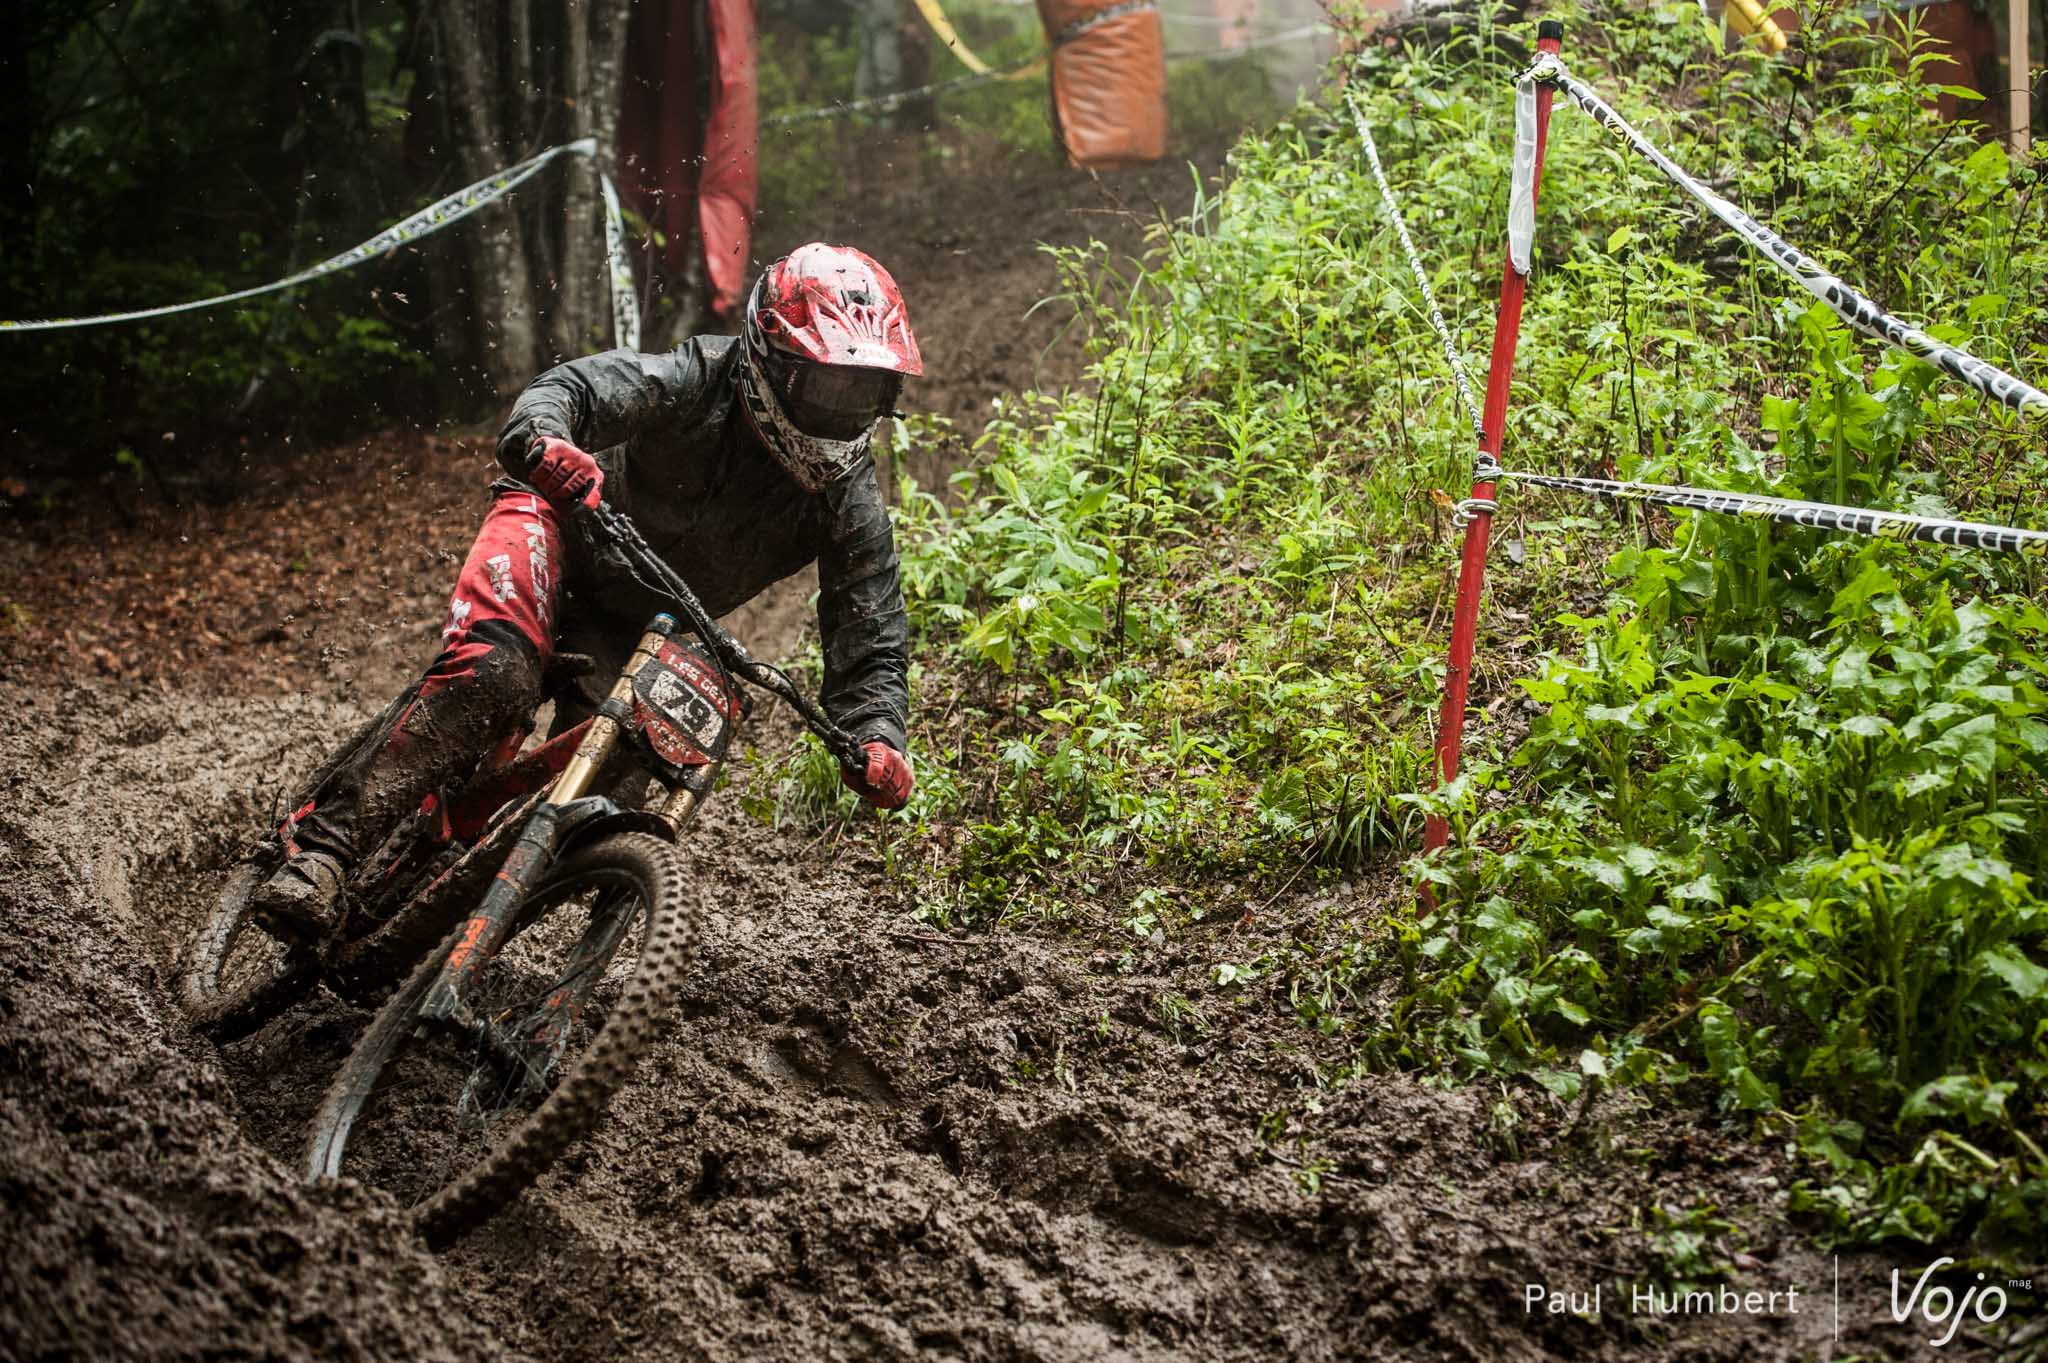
[
  {"x": 171, "y": 152},
  {"x": 1754, "y": 826}
]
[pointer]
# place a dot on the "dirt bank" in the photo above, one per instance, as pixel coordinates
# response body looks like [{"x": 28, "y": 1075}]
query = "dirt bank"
[
  {"x": 137, "y": 1219},
  {"x": 860, "y": 1138}
]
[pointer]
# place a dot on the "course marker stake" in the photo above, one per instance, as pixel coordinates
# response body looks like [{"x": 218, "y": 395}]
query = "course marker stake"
[{"x": 1477, "y": 509}]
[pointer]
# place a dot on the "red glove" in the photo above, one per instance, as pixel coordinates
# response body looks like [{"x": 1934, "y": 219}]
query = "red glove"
[
  {"x": 886, "y": 781},
  {"x": 565, "y": 475}
]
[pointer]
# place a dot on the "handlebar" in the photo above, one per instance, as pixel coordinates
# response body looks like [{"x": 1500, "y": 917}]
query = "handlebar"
[{"x": 617, "y": 528}]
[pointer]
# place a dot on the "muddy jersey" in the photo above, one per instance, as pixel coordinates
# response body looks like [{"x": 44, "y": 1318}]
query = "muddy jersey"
[{"x": 680, "y": 459}]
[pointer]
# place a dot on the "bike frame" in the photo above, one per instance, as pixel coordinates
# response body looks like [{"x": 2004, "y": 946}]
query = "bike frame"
[{"x": 571, "y": 812}]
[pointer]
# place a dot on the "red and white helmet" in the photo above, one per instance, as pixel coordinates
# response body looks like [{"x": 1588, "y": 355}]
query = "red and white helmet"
[{"x": 826, "y": 348}]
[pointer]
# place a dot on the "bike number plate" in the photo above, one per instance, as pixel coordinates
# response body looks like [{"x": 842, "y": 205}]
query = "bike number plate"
[{"x": 681, "y": 706}]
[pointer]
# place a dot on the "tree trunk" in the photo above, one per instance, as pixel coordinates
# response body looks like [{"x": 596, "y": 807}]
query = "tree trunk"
[
  {"x": 610, "y": 20},
  {"x": 879, "y": 26},
  {"x": 526, "y": 75},
  {"x": 20, "y": 112},
  {"x": 914, "y": 40},
  {"x": 575, "y": 286},
  {"x": 593, "y": 59},
  {"x": 443, "y": 262},
  {"x": 502, "y": 281}
]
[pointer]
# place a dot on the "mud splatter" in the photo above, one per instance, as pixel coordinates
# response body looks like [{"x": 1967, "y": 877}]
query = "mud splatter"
[{"x": 860, "y": 1138}]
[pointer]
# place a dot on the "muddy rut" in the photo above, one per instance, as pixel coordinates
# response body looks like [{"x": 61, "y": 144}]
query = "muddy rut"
[{"x": 858, "y": 1138}]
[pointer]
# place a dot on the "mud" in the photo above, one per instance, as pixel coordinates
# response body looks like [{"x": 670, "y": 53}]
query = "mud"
[
  {"x": 139, "y": 1220},
  {"x": 860, "y": 1137}
]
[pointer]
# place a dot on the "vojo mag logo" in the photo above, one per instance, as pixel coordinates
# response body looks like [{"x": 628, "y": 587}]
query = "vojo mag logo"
[{"x": 1939, "y": 1307}]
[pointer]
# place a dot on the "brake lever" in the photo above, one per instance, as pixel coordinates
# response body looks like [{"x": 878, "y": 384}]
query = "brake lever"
[{"x": 616, "y": 526}]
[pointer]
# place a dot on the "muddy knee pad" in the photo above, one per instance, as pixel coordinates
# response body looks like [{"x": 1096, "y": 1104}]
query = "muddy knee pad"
[
  {"x": 473, "y": 695},
  {"x": 457, "y": 712}
]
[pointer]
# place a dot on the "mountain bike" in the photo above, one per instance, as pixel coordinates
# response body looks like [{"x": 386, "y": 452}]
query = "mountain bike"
[
  {"x": 395, "y": 906},
  {"x": 564, "y": 923}
]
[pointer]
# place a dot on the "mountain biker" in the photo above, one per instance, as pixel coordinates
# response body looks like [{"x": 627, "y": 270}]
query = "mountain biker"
[{"x": 741, "y": 459}]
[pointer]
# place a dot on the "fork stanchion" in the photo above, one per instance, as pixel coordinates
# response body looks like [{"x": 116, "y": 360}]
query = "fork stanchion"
[{"x": 1477, "y": 509}]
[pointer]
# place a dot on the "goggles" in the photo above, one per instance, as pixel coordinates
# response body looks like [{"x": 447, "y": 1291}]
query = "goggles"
[{"x": 834, "y": 402}]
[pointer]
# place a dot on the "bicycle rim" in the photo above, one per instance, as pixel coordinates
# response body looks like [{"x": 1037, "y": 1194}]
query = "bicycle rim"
[{"x": 453, "y": 1120}]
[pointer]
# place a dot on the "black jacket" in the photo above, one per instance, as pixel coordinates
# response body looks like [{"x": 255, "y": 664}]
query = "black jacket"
[{"x": 681, "y": 459}]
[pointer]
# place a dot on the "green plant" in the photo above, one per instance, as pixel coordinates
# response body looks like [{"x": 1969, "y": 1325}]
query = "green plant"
[
  {"x": 1772, "y": 838},
  {"x": 1785, "y": 805}
]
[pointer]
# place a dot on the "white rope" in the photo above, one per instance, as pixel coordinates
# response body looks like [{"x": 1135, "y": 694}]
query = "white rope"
[
  {"x": 884, "y": 103},
  {"x": 1470, "y": 509},
  {"x": 1855, "y": 520},
  {"x": 1436, "y": 316},
  {"x": 443, "y": 212},
  {"x": 1853, "y": 308},
  {"x": 625, "y": 302}
]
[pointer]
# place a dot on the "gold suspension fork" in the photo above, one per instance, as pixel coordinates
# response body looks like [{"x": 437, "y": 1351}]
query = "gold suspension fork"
[
  {"x": 689, "y": 792},
  {"x": 597, "y": 745},
  {"x": 680, "y": 808}
]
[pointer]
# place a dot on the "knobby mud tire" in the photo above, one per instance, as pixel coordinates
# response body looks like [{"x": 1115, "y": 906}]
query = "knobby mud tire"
[
  {"x": 234, "y": 1013},
  {"x": 580, "y": 1097},
  {"x": 228, "y": 1015}
]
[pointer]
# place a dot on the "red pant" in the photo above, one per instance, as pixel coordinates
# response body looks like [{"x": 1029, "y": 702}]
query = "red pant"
[
  {"x": 486, "y": 681},
  {"x": 510, "y": 583}
]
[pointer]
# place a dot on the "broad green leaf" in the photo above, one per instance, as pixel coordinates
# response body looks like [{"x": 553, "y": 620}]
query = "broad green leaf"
[
  {"x": 1608, "y": 873},
  {"x": 1643, "y": 861},
  {"x": 1972, "y": 744},
  {"x": 1958, "y": 1095},
  {"x": 2021, "y": 975},
  {"x": 1703, "y": 887},
  {"x": 1852, "y": 668}
]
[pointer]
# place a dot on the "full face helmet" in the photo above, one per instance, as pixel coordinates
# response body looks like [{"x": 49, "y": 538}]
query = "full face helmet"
[{"x": 826, "y": 348}]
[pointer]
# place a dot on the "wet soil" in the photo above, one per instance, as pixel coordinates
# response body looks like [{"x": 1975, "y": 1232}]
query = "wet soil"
[{"x": 858, "y": 1138}]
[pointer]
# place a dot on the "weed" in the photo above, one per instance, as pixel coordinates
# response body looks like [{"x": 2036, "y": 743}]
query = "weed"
[
  {"x": 1773, "y": 835},
  {"x": 1692, "y": 1245}
]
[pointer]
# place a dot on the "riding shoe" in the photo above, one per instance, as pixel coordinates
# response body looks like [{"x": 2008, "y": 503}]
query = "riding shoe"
[{"x": 297, "y": 903}]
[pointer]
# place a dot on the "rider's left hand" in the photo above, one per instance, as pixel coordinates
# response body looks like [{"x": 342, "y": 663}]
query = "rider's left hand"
[{"x": 885, "y": 782}]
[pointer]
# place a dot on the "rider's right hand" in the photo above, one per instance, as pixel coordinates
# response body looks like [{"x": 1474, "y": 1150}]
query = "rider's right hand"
[{"x": 564, "y": 474}]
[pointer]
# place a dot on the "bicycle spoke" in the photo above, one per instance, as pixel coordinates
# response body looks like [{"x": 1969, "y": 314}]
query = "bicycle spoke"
[{"x": 455, "y": 1086}]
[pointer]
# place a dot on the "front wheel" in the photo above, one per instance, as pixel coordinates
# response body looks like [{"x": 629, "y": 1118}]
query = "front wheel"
[{"x": 455, "y": 1117}]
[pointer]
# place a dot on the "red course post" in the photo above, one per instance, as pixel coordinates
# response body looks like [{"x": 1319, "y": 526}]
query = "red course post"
[{"x": 1507, "y": 329}]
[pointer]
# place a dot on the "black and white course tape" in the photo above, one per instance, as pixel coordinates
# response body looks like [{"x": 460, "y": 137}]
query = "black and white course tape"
[
  {"x": 1436, "y": 315},
  {"x": 1855, "y": 309},
  {"x": 1852, "y": 520},
  {"x": 443, "y": 212}
]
